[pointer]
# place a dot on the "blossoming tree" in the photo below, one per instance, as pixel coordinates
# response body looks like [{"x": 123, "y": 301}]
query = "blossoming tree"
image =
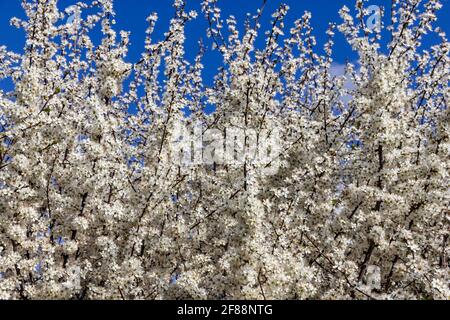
[{"x": 95, "y": 205}]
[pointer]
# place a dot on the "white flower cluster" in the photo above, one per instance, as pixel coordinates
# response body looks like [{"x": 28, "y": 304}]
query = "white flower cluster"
[{"x": 91, "y": 207}]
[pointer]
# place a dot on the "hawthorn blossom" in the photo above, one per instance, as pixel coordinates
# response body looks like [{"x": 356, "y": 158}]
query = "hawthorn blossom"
[{"x": 95, "y": 205}]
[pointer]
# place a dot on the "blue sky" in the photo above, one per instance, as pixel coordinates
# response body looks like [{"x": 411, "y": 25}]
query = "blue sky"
[{"x": 131, "y": 16}]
